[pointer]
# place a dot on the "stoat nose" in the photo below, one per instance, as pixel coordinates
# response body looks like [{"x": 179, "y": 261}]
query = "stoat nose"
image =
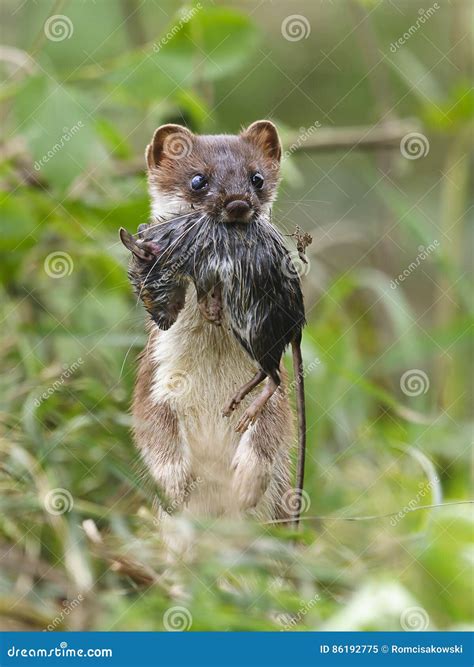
[{"x": 237, "y": 210}]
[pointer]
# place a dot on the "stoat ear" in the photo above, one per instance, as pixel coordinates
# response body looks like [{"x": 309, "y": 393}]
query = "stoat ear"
[
  {"x": 175, "y": 141},
  {"x": 264, "y": 134}
]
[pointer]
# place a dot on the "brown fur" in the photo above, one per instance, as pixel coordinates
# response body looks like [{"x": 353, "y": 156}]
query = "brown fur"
[{"x": 183, "y": 435}]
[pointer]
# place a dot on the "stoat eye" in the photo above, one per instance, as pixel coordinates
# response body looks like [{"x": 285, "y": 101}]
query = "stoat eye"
[
  {"x": 198, "y": 182},
  {"x": 257, "y": 180}
]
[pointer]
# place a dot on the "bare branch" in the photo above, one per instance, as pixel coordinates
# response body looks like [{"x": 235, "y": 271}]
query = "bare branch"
[{"x": 388, "y": 135}]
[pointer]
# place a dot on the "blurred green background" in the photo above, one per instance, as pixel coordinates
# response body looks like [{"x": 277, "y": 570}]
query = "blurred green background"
[{"x": 389, "y": 389}]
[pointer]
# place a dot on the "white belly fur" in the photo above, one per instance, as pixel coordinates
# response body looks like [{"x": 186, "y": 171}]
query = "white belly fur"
[{"x": 199, "y": 368}]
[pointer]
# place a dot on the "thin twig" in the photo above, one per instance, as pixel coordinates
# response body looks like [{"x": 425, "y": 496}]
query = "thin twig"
[
  {"x": 330, "y": 517},
  {"x": 370, "y": 137}
]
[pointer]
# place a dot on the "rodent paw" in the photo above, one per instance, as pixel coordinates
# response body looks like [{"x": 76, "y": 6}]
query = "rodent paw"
[
  {"x": 247, "y": 419},
  {"x": 230, "y": 406}
]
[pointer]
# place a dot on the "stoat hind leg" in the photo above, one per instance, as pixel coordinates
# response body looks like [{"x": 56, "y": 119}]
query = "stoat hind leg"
[
  {"x": 158, "y": 437},
  {"x": 261, "y": 466}
]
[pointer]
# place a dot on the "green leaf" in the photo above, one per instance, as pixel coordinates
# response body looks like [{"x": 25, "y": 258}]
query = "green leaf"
[
  {"x": 113, "y": 139},
  {"x": 210, "y": 45},
  {"x": 416, "y": 75},
  {"x": 226, "y": 39},
  {"x": 457, "y": 109},
  {"x": 59, "y": 130},
  {"x": 17, "y": 237},
  {"x": 192, "y": 105}
]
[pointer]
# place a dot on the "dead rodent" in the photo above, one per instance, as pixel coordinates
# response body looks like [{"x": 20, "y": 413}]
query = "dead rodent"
[
  {"x": 241, "y": 267},
  {"x": 212, "y": 197}
]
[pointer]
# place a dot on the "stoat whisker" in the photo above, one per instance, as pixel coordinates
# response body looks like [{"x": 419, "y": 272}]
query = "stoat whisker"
[
  {"x": 166, "y": 220},
  {"x": 185, "y": 233}
]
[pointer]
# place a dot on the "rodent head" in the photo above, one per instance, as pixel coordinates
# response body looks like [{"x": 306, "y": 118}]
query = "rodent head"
[{"x": 233, "y": 178}]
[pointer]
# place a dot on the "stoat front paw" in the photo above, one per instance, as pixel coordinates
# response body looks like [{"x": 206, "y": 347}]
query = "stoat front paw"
[
  {"x": 174, "y": 480},
  {"x": 251, "y": 476}
]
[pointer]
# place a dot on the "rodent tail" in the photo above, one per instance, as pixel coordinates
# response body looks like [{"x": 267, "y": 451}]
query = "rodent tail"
[{"x": 301, "y": 413}]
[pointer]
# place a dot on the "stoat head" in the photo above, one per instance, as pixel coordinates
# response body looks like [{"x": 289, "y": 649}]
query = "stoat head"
[{"x": 232, "y": 178}]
